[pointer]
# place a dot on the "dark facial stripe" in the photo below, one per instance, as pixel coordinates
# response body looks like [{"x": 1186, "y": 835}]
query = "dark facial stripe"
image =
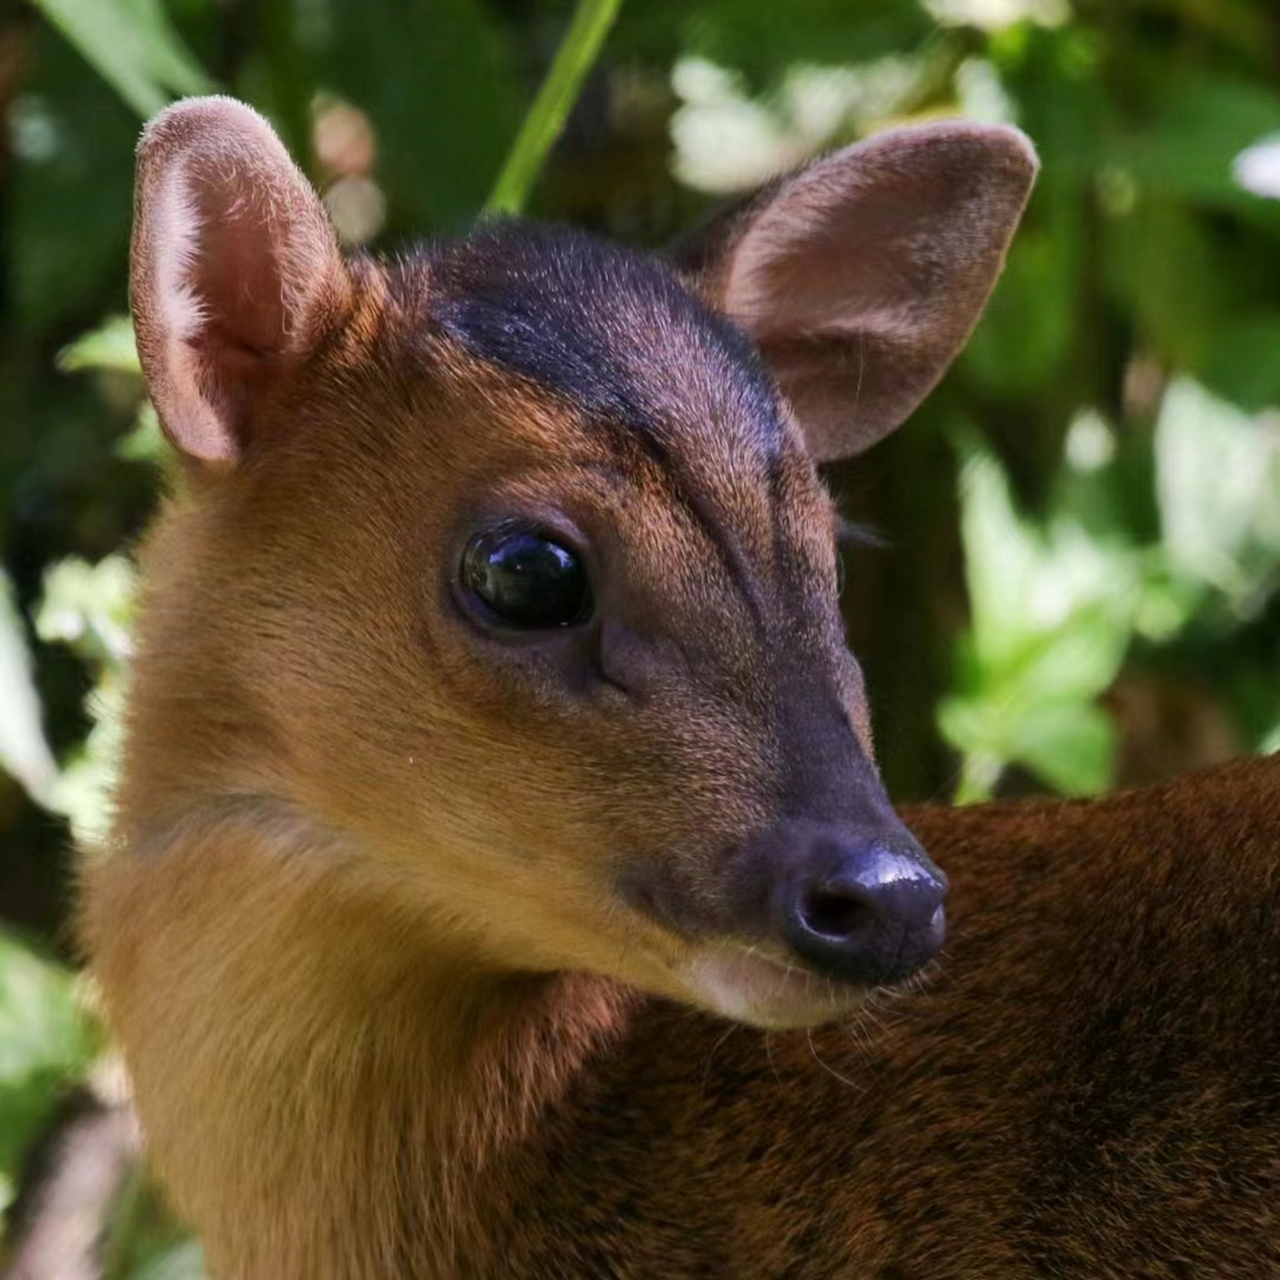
[
  {"x": 611, "y": 330},
  {"x": 620, "y": 338}
]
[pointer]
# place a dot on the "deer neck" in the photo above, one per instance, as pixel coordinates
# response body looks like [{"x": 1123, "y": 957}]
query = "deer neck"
[{"x": 308, "y": 1050}]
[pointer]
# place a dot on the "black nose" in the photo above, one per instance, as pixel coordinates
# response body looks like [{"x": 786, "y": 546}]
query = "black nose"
[{"x": 863, "y": 910}]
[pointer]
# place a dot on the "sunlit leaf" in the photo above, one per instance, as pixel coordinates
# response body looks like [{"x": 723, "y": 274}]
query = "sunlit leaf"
[
  {"x": 84, "y": 790},
  {"x": 89, "y": 606},
  {"x": 1218, "y": 482},
  {"x": 1070, "y": 746},
  {"x": 1080, "y": 657},
  {"x": 41, "y": 1025},
  {"x": 999, "y": 556},
  {"x": 995, "y": 15},
  {"x": 728, "y": 140},
  {"x": 1053, "y": 612},
  {"x": 1257, "y": 168},
  {"x": 145, "y": 443},
  {"x": 110, "y": 346},
  {"x": 45, "y": 1042},
  {"x": 24, "y": 753}
]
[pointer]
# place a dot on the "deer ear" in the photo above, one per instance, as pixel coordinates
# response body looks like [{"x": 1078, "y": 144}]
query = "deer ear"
[
  {"x": 861, "y": 276},
  {"x": 234, "y": 275}
]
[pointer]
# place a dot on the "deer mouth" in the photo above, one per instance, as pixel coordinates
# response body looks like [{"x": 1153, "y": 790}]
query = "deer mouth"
[{"x": 751, "y": 986}]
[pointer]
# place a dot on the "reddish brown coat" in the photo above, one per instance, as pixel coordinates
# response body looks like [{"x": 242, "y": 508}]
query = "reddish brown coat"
[{"x": 387, "y": 881}]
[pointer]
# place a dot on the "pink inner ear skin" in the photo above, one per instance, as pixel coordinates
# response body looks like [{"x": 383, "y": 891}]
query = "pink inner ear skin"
[
  {"x": 234, "y": 274},
  {"x": 238, "y": 277},
  {"x": 863, "y": 275},
  {"x": 235, "y": 271}
]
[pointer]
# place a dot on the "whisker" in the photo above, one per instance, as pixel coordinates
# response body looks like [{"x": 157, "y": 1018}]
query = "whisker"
[
  {"x": 828, "y": 1068},
  {"x": 706, "y": 1074}
]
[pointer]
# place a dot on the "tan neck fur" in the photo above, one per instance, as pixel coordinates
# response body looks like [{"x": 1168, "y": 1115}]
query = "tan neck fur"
[{"x": 364, "y": 1086}]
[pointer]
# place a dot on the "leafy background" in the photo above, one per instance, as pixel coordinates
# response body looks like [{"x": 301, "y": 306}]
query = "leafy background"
[{"x": 1079, "y": 586}]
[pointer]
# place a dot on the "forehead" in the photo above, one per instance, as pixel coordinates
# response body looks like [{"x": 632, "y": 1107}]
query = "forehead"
[
  {"x": 668, "y": 397},
  {"x": 612, "y": 331},
  {"x": 547, "y": 372}
]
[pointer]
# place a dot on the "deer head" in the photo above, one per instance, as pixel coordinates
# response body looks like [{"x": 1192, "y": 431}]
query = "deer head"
[{"x": 504, "y": 576}]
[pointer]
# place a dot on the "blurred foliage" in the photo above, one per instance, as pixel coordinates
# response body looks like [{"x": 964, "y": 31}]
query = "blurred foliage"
[
  {"x": 546, "y": 117},
  {"x": 1084, "y": 521},
  {"x": 132, "y": 45},
  {"x": 45, "y": 1044}
]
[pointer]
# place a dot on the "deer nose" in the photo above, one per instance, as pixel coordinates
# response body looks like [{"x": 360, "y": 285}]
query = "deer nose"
[{"x": 867, "y": 911}]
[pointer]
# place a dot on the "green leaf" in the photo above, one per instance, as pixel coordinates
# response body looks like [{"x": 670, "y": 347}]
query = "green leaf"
[
  {"x": 1243, "y": 363},
  {"x": 999, "y": 556},
  {"x": 110, "y": 346},
  {"x": 24, "y": 752},
  {"x": 1217, "y": 477},
  {"x": 146, "y": 442},
  {"x": 761, "y": 37},
  {"x": 1081, "y": 657},
  {"x": 89, "y": 606},
  {"x": 1069, "y": 746},
  {"x": 41, "y": 1025},
  {"x": 1027, "y": 330},
  {"x": 1203, "y": 122},
  {"x": 1053, "y": 612},
  {"x": 72, "y": 192},
  {"x": 45, "y": 1042},
  {"x": 1166, "y": 267},
  {"x": 132, "y": 46},
  {"x": 143, "y": 1241}
]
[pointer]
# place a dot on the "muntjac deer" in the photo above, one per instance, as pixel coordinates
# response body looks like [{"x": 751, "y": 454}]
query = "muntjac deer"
[{"x": 501, "y": 870}]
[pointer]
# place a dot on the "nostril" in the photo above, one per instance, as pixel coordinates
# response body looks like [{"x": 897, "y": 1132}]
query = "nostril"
[
  {"x": 836, "y": 912},
  {"x": 867, "y": 912}
]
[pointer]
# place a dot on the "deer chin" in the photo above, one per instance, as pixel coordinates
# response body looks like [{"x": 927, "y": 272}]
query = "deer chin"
[{"x": 749, "y": 986}]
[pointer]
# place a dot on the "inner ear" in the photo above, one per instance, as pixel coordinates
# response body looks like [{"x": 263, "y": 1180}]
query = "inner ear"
[
  {"x": 861, "y": 276},
  {"x": 235, "y": 271},
  {"x": 240, "y": 271},
  {"x": 247, "y": 290}
]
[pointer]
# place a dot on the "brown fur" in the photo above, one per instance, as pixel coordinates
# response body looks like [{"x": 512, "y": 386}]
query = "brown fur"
[
  {"x": 1086, "y": 1086},
  {"x": 406, "y": 923}
]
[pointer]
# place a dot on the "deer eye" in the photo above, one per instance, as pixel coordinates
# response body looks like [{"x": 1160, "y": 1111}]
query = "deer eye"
[{"x": 526, "y": 580}]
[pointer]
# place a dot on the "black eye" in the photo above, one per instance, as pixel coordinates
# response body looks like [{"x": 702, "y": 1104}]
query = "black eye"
[{"x": 526, "y": 580}]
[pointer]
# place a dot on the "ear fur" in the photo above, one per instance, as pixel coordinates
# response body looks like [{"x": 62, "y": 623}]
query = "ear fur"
[
  {"x": 234, "y": 271},
  {"x": 861, "y": 276}
]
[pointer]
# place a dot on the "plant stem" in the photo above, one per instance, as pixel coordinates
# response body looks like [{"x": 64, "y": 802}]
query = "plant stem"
[{"x": 559, "y": 91}]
